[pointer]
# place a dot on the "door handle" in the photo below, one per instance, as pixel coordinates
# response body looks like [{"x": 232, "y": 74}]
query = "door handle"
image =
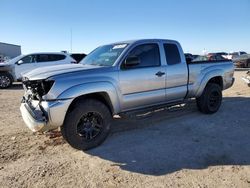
[{"x": 159, "y": 74}]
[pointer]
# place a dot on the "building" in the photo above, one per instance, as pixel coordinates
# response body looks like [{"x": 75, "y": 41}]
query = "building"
[{"x": 9, "y": 51}]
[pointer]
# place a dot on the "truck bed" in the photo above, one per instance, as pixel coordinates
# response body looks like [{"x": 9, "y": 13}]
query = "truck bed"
[
  {"x": 198, "y": 71},
  {"x": 211, "y": 61}
]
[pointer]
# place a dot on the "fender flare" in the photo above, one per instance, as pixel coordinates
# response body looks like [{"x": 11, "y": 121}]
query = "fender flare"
[
  {"x": 208, "y": 76},
  {"x": 91, "y": 88}
]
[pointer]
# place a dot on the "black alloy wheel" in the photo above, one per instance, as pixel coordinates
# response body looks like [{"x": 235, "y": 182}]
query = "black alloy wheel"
[{"x": 90, "y": 125}]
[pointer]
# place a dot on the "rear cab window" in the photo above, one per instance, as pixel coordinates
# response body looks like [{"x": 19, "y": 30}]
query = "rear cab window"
[{"x": 172, "y": 54}]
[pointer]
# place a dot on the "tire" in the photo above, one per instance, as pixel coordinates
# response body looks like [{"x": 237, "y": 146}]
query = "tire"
[
  {"x": 87, "y": 125},
  {"x": 6, "y": 80},
  {"x": 210, "y": 100}
]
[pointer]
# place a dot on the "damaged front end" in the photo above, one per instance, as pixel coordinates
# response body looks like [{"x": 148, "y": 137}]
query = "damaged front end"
[
  {"x": 33, "y": 108},
  {"x": 246, "y": 78},
  {"x": 38, "y": 113},
  {"x": 37, "y": 88}
]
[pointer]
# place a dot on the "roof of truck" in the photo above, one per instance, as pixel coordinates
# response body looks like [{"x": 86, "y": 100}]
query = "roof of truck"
[{"x": 145, "y": 40}]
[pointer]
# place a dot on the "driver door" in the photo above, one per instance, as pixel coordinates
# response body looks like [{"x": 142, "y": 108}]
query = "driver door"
[{"x": 143, "y": 84}]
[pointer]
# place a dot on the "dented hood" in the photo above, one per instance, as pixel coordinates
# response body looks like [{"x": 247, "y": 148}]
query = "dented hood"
[{"x": 49, "y": 71}]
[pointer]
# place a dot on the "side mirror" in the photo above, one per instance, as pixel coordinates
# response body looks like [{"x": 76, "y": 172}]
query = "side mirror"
[
  {"x": 132, "y": 61},
  {"x": 188, "y": 60},
  {"x": 19, "y": 62}
]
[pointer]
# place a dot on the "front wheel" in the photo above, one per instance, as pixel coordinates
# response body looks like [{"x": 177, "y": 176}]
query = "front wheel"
[
  {"x": 6, "y": 80},
  {"x": 210, "y": 100},
  {"x": 87, "y": 125}
]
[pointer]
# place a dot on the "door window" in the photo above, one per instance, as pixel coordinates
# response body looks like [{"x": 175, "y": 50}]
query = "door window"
[
  {"x": 49, "y": 57},
  {"x": 42, "y": 58},
  {"x": 172, "y": 54},
  {"x": 147, "y": 54},
  {"x": 56, "y": 57},
  {"x": 28, "y": 59}
]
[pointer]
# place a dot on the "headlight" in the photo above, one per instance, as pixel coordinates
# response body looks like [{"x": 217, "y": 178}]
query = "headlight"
[
  {"x": 47, "y": 85},
  {"x": 38, "y": 88}
]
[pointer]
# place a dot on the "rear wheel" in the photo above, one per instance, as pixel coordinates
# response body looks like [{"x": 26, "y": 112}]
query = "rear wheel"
[
  {"x": 210, "y": 100},
  {"x": 6, "y": 80},
  {"x": 87, "y": 125}
]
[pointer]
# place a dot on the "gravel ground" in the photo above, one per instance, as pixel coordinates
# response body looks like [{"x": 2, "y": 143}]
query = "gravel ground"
[{"x": 177, "y": 147}]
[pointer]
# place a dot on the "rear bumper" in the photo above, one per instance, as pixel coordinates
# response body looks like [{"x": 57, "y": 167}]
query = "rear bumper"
[{"x": 46, "y": 116}]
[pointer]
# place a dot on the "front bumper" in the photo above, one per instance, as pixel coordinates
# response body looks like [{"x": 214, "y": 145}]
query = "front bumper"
[
  {"x": 33, "y": 123},
  {"x": 44, "y": 116}
]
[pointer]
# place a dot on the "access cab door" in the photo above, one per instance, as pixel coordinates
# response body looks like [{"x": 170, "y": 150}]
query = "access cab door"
[
  {"x": 176, "y": 71},
  {"x": 142, "y": 78}
]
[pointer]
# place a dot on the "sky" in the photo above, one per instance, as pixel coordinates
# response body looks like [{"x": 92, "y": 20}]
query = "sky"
[{"x": 46, "y": 25}]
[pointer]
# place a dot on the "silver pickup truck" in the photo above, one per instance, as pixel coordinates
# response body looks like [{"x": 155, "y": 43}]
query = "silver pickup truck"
[{"x": 118, "y": 78}]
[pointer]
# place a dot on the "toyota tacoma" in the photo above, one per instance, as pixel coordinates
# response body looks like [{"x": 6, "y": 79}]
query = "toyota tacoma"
[{"x": 116, "y": 79}]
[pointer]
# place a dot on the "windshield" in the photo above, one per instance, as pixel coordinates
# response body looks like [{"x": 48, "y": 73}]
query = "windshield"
[{"x": 104, "y": 55}]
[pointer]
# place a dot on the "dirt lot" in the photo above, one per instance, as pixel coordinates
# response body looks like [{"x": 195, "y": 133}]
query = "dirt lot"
[{"x": 178, "y": 147}]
